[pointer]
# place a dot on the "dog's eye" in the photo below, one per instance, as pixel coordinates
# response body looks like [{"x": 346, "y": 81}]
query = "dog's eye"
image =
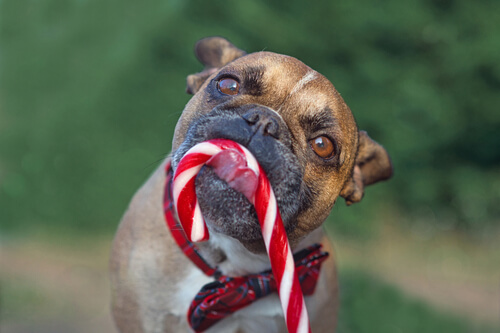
[
  {"x": 228, "y": 86},
  {"x": 323, "y": 147}
]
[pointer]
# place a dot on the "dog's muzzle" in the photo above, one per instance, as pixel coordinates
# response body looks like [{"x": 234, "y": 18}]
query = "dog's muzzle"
[{"x": 264, "y": 133}]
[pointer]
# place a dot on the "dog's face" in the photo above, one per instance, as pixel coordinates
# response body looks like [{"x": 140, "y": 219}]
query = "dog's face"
[{"x": 296, "y": 125}]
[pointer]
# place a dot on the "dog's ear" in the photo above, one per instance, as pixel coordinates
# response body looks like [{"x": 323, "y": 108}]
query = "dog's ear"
[
  {"x": 372, "y": 165},
  {"x": 213, "y": 52}
]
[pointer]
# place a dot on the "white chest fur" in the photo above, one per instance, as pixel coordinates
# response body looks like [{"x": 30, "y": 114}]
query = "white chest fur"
[
  {"x": 262, "y": 316},
  {"x": 239, "y": 261}
]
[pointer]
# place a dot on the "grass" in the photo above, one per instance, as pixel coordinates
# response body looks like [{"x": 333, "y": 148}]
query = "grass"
[
  {"x": 18, "y": 298},
  {"x": 369, "y": 305}
]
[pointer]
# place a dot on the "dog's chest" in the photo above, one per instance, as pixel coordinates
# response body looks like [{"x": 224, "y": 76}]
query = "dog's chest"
[{"x": 265, "y": 315}]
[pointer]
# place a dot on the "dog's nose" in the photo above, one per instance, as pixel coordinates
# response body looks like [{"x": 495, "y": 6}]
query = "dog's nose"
[{"x": 264, "y": 121}]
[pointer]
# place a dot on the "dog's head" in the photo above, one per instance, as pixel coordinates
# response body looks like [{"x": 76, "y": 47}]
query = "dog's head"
[{"x": 296, "y": 125}]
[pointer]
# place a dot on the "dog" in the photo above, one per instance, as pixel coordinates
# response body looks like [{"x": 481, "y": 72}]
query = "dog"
[{"x": 305, "y": 138}]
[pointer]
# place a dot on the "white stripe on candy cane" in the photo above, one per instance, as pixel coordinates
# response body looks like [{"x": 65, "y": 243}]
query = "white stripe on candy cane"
[
  {"x": 206, "y": 148},
  {"x": 198, "y": 229},
  {"x": 251, "y": 161},
  {"x": 270, "y": 219},
  {"x": 286, "y": 286},
  {"x": 303, "y": 326}
]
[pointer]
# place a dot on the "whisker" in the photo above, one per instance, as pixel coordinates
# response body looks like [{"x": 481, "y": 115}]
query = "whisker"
[{"x": 155, "y": 163}]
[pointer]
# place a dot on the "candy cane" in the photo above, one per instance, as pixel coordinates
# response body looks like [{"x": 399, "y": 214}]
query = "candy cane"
[
  {"x": 273, "y": 231},
  {"x": 185, "y": 200}
]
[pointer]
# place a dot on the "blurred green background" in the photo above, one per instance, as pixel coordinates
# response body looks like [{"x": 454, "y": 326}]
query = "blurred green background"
[{"x": 90, "y": 91}]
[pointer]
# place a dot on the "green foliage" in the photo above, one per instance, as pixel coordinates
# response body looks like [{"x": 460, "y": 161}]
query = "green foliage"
[{"x": 90, "y": 91}]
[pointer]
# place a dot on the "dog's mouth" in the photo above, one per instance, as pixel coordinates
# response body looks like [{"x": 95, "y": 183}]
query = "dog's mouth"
[
  {"x": 231, "y": 166},
  {"x": 226, "y": 201}
]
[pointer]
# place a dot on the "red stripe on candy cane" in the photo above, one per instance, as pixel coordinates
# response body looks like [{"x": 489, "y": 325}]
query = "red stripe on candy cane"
[{"x": 273, "y": 230}]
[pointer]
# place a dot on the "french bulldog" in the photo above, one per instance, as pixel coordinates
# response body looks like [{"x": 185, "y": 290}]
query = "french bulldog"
[{"x": 304, "y": 136}]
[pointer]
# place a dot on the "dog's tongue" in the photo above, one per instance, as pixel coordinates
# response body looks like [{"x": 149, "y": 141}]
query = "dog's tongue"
[{"x": 231, "y": 166}]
